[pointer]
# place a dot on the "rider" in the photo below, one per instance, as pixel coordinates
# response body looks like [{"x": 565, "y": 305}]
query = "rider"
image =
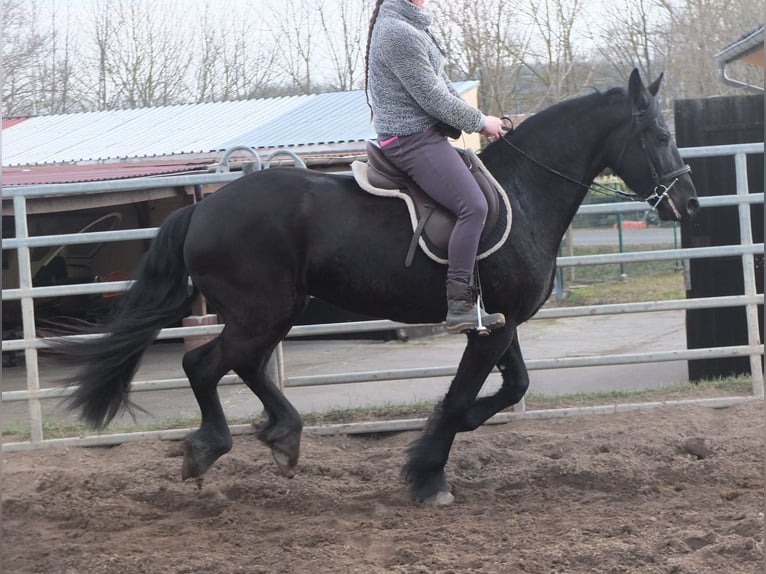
[{"x": 413, "y": 102}]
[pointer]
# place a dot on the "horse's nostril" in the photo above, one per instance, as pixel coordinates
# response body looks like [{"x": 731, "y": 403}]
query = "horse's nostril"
[{"x": 692, "y": 206}]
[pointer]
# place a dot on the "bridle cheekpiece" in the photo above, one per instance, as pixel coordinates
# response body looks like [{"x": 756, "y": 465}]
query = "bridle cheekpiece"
[{"x": 663, "y": 182}]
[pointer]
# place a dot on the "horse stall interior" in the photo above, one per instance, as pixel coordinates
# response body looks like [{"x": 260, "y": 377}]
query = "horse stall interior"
[
  {"x": 708, "y": 122},
  {"x": 84, "y": 263}
]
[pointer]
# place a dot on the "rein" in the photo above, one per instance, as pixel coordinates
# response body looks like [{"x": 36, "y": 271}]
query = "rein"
[
  {"x": 593, "y": 185},
  {"x": 660, "y": 192}
]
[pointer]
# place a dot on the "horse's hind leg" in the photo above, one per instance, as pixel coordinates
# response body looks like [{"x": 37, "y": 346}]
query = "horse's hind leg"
[
  {"x": 281, "y": 431},
  {"x": 428, "y": 456},
  {"x": 513, "y": 389},
  {"x": 253, "y": 330},
  {"x": 204, "y": 366},
  {"x": 248, "y": 356}
]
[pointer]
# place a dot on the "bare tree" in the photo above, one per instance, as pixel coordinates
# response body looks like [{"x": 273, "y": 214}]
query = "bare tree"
[
  {"x": 634, "y": 33},
  {"x": 235, "y": 60},
  {"x": 527, "y": 53},
  {"x": 61, "y": 89},
  {"x": 104, "y": 42},
  {"x": 209, "y": 56},
  {"x": 297, "y": 30},
  {"x": 143, "y": 55},
  {"x": 344, "y": 27},
  {"x": 483, "y": 41},
  {"x": 700, "y": 28},
  {"x": 553, "y": 59},
  {"x": 24, "y": 48}
]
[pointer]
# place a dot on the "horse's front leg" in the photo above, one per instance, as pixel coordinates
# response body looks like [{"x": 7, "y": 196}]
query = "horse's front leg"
[
  {"x": 428, "y": 456},
  {"x": 513, "y": 389}
]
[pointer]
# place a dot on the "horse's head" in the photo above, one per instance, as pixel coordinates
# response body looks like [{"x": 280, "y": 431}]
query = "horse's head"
[{"x": 645, "y": 156}]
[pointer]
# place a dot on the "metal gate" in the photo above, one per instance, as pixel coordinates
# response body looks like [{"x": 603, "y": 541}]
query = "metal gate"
[{"x": 746, "y": 250}]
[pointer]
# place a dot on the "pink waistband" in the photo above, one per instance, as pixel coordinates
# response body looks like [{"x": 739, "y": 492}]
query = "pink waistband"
[{"x": 387, "y": 141}]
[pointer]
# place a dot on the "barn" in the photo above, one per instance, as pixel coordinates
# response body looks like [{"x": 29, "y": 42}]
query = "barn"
[
  {"x": 322, "y": 131},
  {"x": 327, "y": 131}
]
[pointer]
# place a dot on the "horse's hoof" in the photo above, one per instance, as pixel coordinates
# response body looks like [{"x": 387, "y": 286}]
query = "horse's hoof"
[
  {"x": 285, "y": 463},
  {"x": 442, "y": 498},
  {"x": 199, "y": 456},
  {"x": 191, "y": 467},
  {"x": 284, "y": 442}
]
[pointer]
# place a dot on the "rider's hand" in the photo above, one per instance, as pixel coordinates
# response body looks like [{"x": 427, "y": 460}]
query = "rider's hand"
[{"x": 492, "y": 128}]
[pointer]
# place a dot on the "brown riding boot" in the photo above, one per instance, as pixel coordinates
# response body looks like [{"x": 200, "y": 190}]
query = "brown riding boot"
[{"x": 463, "y": 313}]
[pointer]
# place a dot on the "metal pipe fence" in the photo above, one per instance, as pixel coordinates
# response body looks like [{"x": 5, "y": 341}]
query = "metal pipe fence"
[{"x": 30, "y": 343}]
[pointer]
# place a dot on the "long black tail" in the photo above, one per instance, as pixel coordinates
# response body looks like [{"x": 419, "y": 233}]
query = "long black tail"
[{"x": 159, "y": 297}]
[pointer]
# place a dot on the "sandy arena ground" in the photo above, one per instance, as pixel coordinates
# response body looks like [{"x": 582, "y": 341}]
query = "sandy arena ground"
[{"x": 665, "y": 491}]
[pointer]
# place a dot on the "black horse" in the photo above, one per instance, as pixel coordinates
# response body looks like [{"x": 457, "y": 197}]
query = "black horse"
[{"x": 259, "y": 247}]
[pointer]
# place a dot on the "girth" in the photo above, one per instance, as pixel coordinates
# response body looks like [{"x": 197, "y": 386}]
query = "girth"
[{"x": 432, "y": 223}]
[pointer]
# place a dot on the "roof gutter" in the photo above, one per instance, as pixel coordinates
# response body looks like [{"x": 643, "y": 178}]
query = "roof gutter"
[
  {"x": 736, "y": 51},
  {"x": 736, "y": 83}
]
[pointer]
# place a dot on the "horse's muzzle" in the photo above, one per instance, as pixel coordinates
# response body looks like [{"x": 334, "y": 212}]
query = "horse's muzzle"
[
  {"x": 673, "y": 209},
  {"x": 682, "y": 212},
  {"x": 692, "y": 206}
]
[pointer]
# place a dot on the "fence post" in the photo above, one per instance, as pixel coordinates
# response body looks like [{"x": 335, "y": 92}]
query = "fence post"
[
  {"x": 748, "y": 271},
  {"x": 620, "y": 241},
  {"x": 275, "y": 368},
  {"x": 28, "y": 319}
]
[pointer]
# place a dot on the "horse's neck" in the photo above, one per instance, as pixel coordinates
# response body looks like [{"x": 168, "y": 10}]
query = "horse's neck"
[{"x": 573, "y": 148}]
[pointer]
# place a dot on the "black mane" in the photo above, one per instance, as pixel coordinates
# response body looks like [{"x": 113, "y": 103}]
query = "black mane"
[
  {"x": 570, "y": 107},
  {"x": 551, "y": 119}
]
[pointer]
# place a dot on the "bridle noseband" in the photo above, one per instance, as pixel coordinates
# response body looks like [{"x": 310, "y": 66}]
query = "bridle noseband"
[{"x": 661, "y": 190}]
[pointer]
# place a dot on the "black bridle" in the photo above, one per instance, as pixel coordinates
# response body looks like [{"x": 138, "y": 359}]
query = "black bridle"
[
  {"x": 661, "y": 189},
  {"x": 663, "y": 182}
]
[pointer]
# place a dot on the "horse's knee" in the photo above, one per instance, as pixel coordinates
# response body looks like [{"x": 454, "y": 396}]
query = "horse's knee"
[
  {"x": 486, "y": 407},
  {"x": 515, "y": 381},
  {"x": 511, "y": 393},
  {"x": 517, "y": 390}
]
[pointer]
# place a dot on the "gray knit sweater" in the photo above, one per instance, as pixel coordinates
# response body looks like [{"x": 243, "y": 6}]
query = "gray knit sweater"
[{"x": 409, "y": 90}]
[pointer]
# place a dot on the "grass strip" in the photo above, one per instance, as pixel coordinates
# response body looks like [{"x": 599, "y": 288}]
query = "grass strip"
[{"x": 732, "y": 386}]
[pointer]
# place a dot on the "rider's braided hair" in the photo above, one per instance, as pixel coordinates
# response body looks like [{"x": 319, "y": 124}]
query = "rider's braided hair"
[{"x": 367, "y": 53}]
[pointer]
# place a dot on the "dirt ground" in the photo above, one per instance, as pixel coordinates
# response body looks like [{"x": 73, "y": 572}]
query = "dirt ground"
[{"x": 671, "y": 490}]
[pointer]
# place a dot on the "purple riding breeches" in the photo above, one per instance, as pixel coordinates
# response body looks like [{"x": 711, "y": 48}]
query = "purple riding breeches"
[{"x": 429, "y": 159}]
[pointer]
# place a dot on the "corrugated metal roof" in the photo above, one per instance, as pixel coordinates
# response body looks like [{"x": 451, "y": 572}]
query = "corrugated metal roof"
[
  {"x": 142, "y": 132},
  {"x": 76, "y": 173},
  {"x": 325, "y": 118},
  {"x": 746, "y": 43},
  {"x": 8, "y": 122},
  {"x": 191, "y": 128}
]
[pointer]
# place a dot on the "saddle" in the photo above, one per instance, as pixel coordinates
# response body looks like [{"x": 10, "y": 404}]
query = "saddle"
[{"x": 432, "y": 223}]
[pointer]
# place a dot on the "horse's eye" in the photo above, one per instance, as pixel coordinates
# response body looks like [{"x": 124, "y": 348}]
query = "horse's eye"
[{"x": 663, "y": 138}]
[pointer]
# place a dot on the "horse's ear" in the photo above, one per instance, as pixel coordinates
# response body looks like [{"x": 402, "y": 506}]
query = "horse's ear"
[
  {"x": 639, "y": 95},
  {"x": 654, "y": 87}
]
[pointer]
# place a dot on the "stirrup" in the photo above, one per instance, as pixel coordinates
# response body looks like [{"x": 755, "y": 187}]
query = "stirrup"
[
  {"x": 475, "y": 283},
  {"x": 480, "y": 328}
]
